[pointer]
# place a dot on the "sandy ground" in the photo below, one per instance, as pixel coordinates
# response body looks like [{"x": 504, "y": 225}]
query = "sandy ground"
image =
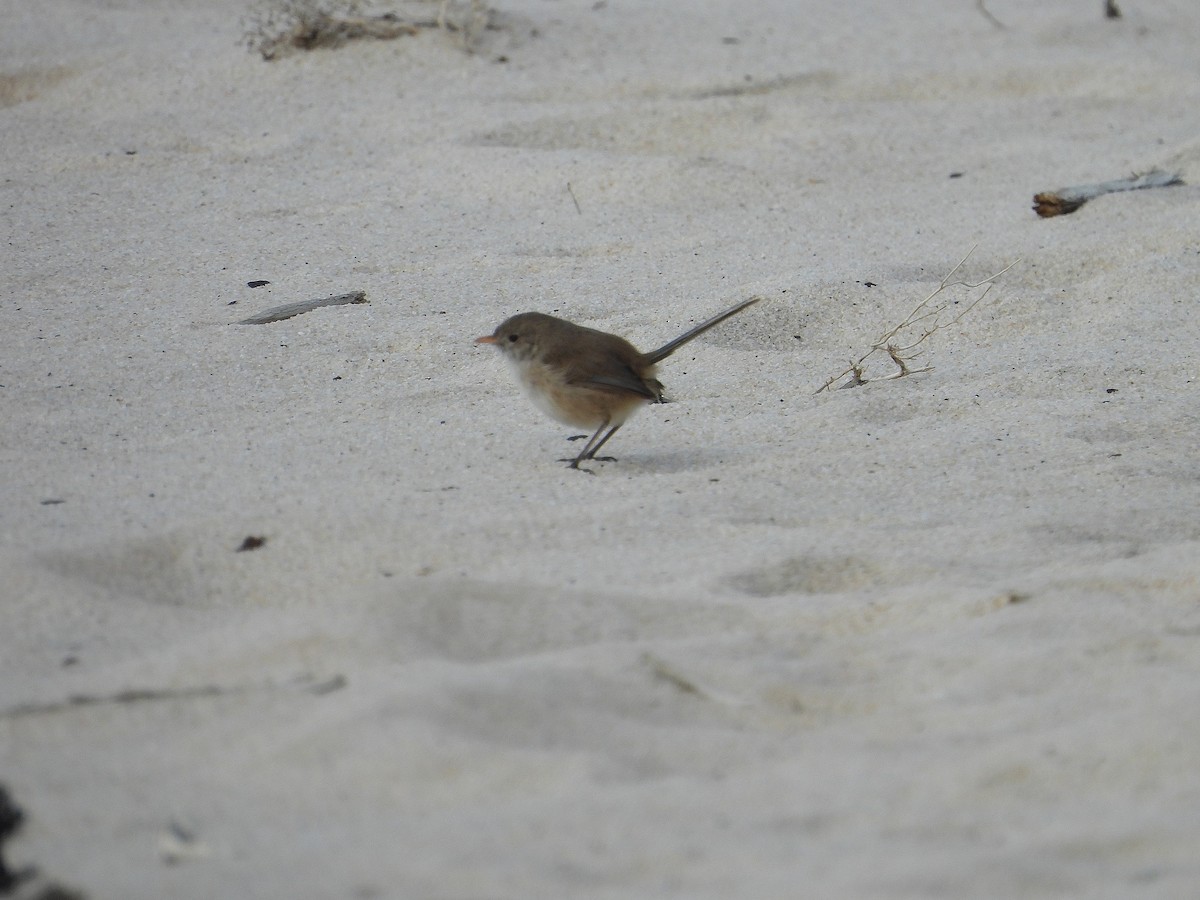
[{"x": 936, "y": 636}]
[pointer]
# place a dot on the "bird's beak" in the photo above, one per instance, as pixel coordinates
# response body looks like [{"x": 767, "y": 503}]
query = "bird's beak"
[{"x": 486, "y": 339}]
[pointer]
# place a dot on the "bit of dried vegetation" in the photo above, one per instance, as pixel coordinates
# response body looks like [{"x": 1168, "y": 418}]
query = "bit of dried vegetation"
[
  {"x": 279, "y": 27},
  {"x": 927, "y": 318}
]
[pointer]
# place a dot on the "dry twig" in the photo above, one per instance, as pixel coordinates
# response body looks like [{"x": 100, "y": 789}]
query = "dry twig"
[
  {"x": 278, "y": 27},
  {"x": 1067, "y": 200},
  {"x": 304, "y": 682},
  {"x": 929, "y": 317},
  {"x": 979, "y": 4},
  {"x": 279, "y": 313}
]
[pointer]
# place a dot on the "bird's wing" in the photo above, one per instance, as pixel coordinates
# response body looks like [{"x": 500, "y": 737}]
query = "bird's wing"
[{"x": 622, "y": 383}]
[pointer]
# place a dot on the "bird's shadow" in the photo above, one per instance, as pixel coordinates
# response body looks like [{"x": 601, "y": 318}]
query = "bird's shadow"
[{"x": 643, "y": 462}]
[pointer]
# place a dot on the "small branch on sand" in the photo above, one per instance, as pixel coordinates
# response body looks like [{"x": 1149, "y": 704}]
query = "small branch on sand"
[
  {"x": 279, "y": 313},
  {"x": 686, "y": 685},
  {"x": 987, "y": 15},
  {"x": 574, "y": 199},
  {"x": 929, "y": 316},
  {"x": 670, "y": 675},
  {"x": 320, "y": 29},
  {"x": 132, "y": 695},
  {"x": 304, "y": 683},
  {"x": 279, "y": 27},
  {"x": 1067, "y": 200}
]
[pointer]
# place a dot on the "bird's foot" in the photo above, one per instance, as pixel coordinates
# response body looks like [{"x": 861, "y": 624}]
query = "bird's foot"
[{"x": 574, "y": 462}]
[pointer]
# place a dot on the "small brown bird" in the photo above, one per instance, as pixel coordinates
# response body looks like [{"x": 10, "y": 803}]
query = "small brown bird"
[{"x": 584, "y": 377}]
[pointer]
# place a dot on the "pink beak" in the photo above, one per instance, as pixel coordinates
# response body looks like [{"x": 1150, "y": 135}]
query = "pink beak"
[{"x": 486, "y": 339}]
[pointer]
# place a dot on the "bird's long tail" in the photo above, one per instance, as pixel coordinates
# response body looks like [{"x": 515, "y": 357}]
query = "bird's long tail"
[{"x": 666, "y": 350}]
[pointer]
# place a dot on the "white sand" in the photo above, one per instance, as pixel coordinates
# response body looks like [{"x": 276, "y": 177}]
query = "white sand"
[{"x": 773, "y": 651}]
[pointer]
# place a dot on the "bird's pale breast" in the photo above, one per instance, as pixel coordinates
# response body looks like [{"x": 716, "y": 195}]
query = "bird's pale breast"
[{"x": 571, "y": 404}]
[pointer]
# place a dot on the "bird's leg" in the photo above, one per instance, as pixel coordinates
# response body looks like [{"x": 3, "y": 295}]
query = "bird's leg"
[
  {"x": 586, "y": 452},
  {"x": 591, "y": 454}
]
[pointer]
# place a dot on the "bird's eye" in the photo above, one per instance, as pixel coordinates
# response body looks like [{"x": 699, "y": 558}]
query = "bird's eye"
[{"x": 512, "y": 338}]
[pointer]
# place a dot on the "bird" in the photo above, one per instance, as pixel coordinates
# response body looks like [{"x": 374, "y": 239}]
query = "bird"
[{"x": 584, "y": 377}]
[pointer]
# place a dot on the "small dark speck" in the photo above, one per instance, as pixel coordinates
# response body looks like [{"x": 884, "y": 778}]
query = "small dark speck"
[
  {"x": 70, "y": 660},
  {"x": 714, "y": 480},
  {"x": 730, "y": 40},
  {"x": 869, "y": 284},
  {"x": 337, "y": 377},
  {"x": 254, "y": 284},
  {"x": 53, "y": 501},
  {"x": 252, "y": 542},
  {"x": 1110, "y": 390},
  {"x": 957, "y": 174},
  {"x": 180, "y": 833},
  {"x": 131, "y": 153},
  {"x": 232, "y": 303},
  {"x": 336, "y": 683}
]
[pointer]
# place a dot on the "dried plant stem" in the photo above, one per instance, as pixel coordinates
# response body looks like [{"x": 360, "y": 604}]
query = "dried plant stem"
[
  {"x": 927, "y": 318},
  {"x": 979, "y": 4},
  {"x": 1066, "y": 200},
  {"x": 279, "y": 27},
  {"x": 575, "y": 200},
  {"x": 279, "y": 313}
]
